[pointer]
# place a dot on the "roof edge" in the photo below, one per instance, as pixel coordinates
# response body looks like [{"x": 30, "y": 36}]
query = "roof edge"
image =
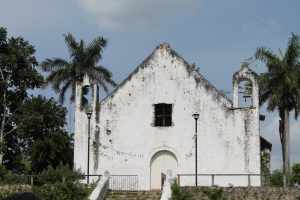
[{"x": 197, "y": 75}]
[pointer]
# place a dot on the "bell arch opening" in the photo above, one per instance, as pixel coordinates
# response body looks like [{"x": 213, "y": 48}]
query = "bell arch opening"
[
  {"x": 245, "y": 86},
  {"x": 245, "y": 94}
]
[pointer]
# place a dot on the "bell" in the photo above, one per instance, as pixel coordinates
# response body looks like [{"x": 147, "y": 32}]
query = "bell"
[{"x": 247, "y": 93}]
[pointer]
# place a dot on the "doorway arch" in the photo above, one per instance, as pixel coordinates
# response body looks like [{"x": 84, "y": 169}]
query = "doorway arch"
[{"x": 161, "y": 162}]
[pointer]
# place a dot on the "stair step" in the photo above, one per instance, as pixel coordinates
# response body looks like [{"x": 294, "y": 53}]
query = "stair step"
[{"x": 133, "y": 195}]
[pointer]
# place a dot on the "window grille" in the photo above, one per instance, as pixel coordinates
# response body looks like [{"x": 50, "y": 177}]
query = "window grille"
[{"x": 163, "y": 114}]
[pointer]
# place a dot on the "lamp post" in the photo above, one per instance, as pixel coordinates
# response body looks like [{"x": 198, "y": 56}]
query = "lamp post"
[
  {"x": 89, "y": 115},
  {"x": 196, "y": 117}
]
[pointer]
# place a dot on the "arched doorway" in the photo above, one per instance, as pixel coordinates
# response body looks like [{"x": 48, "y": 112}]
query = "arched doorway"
[{"x": 161, "y": 162}]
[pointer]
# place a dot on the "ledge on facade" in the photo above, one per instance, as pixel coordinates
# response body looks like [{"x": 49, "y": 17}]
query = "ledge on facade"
[{"x": 242, "y": 108}]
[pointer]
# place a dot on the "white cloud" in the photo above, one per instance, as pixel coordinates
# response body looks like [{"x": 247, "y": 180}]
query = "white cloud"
[
  {"x": 35, "y": 15},
  {"x": 261, "y": 26},
  {"x": 128, "y": 14}
]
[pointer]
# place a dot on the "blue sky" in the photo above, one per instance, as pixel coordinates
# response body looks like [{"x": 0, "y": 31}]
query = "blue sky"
[{"x": 216, "y": 35}]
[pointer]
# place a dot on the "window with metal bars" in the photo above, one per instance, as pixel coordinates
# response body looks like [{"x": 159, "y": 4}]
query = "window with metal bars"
[{"x": 163, "y": 114}]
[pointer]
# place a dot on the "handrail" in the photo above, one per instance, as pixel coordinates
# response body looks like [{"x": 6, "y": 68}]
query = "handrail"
[
  {"x": 123, "y": 182},
  {"x": 219, "y": 174},
  {"x": 213, "y": 176}
]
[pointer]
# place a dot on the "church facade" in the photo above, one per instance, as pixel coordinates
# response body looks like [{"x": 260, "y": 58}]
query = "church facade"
[{"x": 145, "y": 127}]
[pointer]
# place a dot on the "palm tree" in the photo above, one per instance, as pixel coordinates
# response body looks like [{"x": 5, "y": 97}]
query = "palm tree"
[
  {"x": 65, "y": 75},
  {"x": 279, "y": 87}
]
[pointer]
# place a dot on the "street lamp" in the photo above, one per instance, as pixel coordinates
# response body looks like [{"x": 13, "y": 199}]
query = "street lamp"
[
  {"x": 196, "y": 117},
  {"x": 89, "y": 115}
]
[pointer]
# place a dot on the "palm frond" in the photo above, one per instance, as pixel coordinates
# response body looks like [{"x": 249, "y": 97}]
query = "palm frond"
[
  {"x": 57, "y": 77},
  {"x": 95, "y": 48},
  {"x": 293, "y": 51},
  {"x": 104, "y": 75},
  {"x": 110, "y": 81},
  {"x": 67, "y": 85},
  {"x": 103, "y": 72},
  {"x": 71, "y": 44},
  {"x": 104, "y": 86},
  {"x": 267, "y": 56},
  {"x": 280, "y": 53},
  {"x": 53, "y": 64},
  {"x": 64, "y": 75}
]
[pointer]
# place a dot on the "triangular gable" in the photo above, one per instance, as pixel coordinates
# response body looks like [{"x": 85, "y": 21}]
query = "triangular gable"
[{"x": 199, "y": 78}]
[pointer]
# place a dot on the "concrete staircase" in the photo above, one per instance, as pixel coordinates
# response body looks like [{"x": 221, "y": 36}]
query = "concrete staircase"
[{"x": 133, "y": 195}]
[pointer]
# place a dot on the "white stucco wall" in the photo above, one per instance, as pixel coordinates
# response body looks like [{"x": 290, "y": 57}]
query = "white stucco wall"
[{"x": 228, "y": 137}]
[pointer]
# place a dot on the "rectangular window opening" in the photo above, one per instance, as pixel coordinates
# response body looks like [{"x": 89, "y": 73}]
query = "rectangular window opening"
[{"x": 163, "y": 114}]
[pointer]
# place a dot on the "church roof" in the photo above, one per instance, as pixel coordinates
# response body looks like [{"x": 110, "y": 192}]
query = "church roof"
[{"x": 265, "y": 144}]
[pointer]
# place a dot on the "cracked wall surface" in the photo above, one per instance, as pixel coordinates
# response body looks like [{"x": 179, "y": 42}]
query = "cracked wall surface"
[{"x": 228, "y": 136}]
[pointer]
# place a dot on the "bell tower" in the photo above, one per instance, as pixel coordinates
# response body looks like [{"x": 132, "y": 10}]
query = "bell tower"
[{"x": 250, "y": 89}]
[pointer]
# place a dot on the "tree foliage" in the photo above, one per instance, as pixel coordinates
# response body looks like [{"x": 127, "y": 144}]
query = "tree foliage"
[
  {"x": 296, "y": 173},
  {"x": 40, "y": 140},
  {"x": 54, "y": 175},
  {"x": 42, "y": 134},
  {"x": 32, "y": 134},
  {"x": 276, "y": 178},
  {"x": 65, "y": 74},
  {"x": 280, "y": 88},
  {"x": 18, "y": 73}
]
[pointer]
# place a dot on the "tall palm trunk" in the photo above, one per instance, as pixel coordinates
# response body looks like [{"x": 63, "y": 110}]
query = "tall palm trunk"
[{"x": 285, "y": 144}]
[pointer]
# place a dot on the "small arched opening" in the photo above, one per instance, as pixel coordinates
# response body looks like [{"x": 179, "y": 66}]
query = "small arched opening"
[
  {"x": 245, "y": 94},
  {"x": 245, "y": 88}
]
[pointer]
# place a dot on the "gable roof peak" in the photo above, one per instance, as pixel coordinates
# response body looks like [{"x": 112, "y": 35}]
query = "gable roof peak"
[
  {"x": 246, "y": 68},
  {"x": 164, "y": 45},
  {"x": 191, "y": 71},
  {"x": 245, "y": 65}
]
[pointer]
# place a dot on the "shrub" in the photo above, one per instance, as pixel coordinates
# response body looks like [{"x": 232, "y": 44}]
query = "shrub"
[
  {"x": 48, "y": 184},
  {"x": 213, "y": 193},
  {"x": 3, "y": 171},
  {"x": 62, "y": 191},
  {"x": 7, "y": 194},
  {"x": 9, "y": 177},
  {"x": 51, "y": 175},
  {"x": 296, "y": 173},
  {"x": 276, "y": 178},
  {"x": 23, "y": 196},
  {"x": 179, "y": 194}
]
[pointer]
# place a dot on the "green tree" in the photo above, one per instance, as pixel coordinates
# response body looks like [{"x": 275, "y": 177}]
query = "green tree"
[
  {"x": 276, "y": 178},
  {"x": 17, "y": 74},
  {"x": 65, "y": 74},
  {"x": 13, "y": 158},
  {"x": 296, "y": 173},
  {"x": 42, "y": 135},
  {"x": 279, "y": 87}
]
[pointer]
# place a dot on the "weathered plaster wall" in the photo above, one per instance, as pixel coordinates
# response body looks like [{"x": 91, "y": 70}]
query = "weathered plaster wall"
[
  {"x": 80, "y": 137},
  {"x": 228, "y": 137},
  {"x": 81, "y": 130}
]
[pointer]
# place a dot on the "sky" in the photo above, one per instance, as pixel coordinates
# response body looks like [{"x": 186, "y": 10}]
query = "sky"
[{"x": 216, "y": 35}]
